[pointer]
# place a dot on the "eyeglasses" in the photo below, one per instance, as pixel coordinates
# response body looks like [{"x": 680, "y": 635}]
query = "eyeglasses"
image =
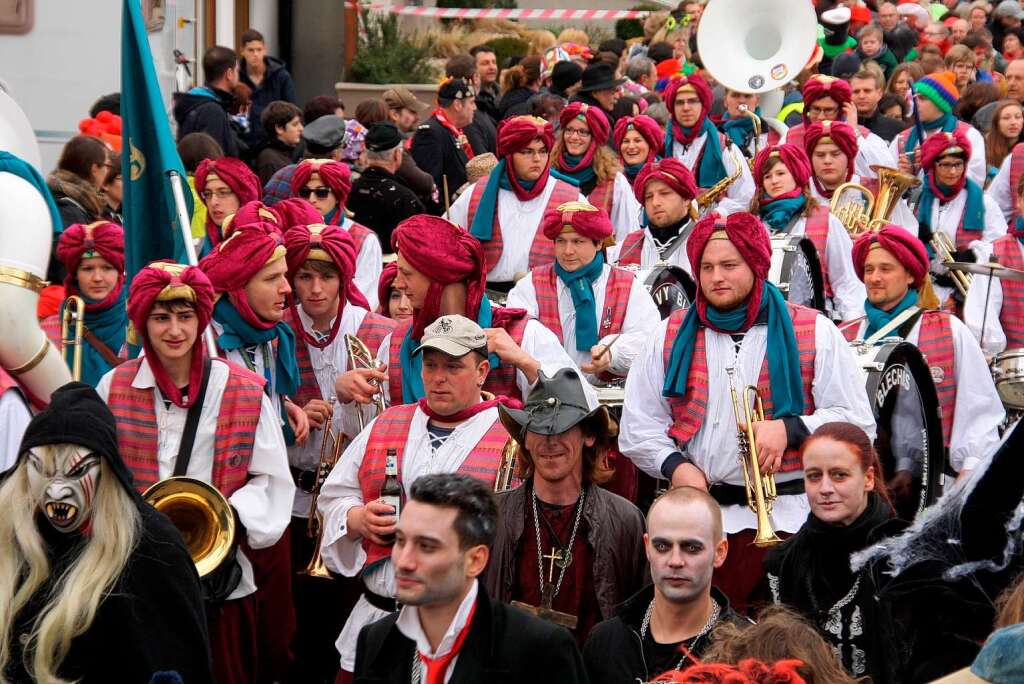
[
  {"x": 824, "y": 111},
  {"x": 687, "y": 102},
  {"x": 950, "y": 166},
  {"x": 208, "y": 195},
  {"x": 321, "y": 193},
  {"x": 581, "y": 133}
]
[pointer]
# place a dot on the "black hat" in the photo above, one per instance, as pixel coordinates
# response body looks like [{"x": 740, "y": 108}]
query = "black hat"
[
  {"x": 455, "y": 89},
  {"x": 555, "y": 405},
  {"x": 383, "y": 136},
  {"x": 844, "y": 66},
  {"x": 599, "y": 76},
  {"x": 836, "y": 24},
  {"x": 565, "y": 75},
  {"x": 325, "y": 134}
]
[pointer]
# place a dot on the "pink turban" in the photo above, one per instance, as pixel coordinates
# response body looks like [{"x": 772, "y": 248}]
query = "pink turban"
[
  {"x": 596, "y": 121},
  {"x": 792, "y": 156},
  {"x": 841, "y": 134},
  {"x": 670, "y": 171},
  {"x": 384, "y": 287},
  {"x": 516, "y": 133},
  {"x": 295, "y": 211},
  {"x": 233, "y": 173},
  {"x": 82, "y": 241},
  {"x": 253, "y": 212},
  {"x": 907, "y": 249},
  {"x": 700, "y": 87},
  {"x": 937, "y": 145},
  {"x": 647, "y": 127},
  {"x": 819, "y": 86},
  {"x": 577, "y": 217},
  {"x": 334, "y": 175}
]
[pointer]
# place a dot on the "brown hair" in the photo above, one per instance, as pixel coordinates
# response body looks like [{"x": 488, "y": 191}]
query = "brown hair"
[
  {"x": 250, "y": 35},
  {"x": 324, "y": 268},
  {"x": 242, "y": 98},
  {"x": 369, "y": 112},
  {"x": 277, "y": 115},
  {"x": 755, "y": 202},
  {"x": 522, "y": 75},
  {"x": 606, "y": 162},
  {"x": 461, "y": 66},
  {"x": 195, "y": 147},
  {"x": 859, "y": 443},
  {"x": 114, "y": 170},
  {"x": 1010, "y": 604},
  {"x": 997, "y": 145},
  {"x": 321, "y": 105},
  {"x": 596, "y": 468},
  {"x": 81, "y": 153},
  {"x": 912, "y": 69},
  {"x": 957, "y": 54},
  {"x": 975, "y": 96}
]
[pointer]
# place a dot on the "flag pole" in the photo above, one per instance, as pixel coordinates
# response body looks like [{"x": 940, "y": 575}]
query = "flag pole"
[{"x": 190, "y": 248}]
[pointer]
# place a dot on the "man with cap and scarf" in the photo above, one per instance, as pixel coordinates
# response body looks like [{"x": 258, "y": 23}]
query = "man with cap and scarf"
[
  {"x": 326, "y": 184},
  {"x": 97, "y": 586},
  {"x": 739, "y": 127},
  {"x": 952, "y": 203},
  {"x": 224, "y": 185},
  {"x": 565, "y": 543},
  {"x": 504, "y": 209},
  {"x": 586, "y": 302},
  {"x": 786, "y": 207},
  {"x": 93, "y": 258},
  {"x": 639, "y": 141},
  {"x": 666, "y": 190},
  {"x": 441, "y": 269},
  {"x": 827, "y": 98},
  {"x": 935, "y": 95},
  {"x": 324, "y": 138},
  {"x": 235, "y": 444},
  {"x": 454, "y": 427},
  {"x": 440, "y": 147},
  {"x": 894, "y": 266},
  {"x": 691, "y": 137},
  {"x": 678, "y": 421}
]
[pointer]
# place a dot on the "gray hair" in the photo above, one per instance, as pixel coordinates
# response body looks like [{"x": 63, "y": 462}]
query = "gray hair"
[
  {"x": 638, "y": 67},
  {"x": 381, "y": 156}
]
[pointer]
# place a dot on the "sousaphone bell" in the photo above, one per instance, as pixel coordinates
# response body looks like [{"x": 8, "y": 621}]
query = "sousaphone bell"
[{"x": 202, "y": 515}]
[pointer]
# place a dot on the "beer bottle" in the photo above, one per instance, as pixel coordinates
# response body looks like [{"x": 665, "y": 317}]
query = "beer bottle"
[{"x": 391, "y": 490}]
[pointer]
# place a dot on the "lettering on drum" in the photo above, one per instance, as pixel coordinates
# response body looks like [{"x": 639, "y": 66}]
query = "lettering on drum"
[{"x": 894, "y": 376}]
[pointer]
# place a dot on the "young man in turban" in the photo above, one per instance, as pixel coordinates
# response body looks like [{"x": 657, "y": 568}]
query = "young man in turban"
[
  {"x": 738, "y": 126},
  {"x": 236, "y": 445},
  {"x": 326, "y": 184},
  {"x": 587, "y": 303},
  {"x": 894, "y": 267},
  {"x": 691, "y": 137},
  {"x": 678, "y": 421},
  {"x": 454, "y": 427},
  {"x": 504, "y": 209},
  {"x": 224, "y": 185},
  {"x": 639, "y": 141}
]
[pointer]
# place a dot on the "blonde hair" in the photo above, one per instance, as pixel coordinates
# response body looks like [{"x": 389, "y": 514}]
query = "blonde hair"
[
  {"x": 573, "y": 35},
  {"x": 76, "y": 595},
  {"x": 606, "y": 162}
]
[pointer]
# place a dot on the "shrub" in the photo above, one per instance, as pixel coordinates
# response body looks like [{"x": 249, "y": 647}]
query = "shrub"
[
  {"x": 632, "y": 28},
  {"x": 384, "y": 55},
  {"x": 508, "y": 46}
]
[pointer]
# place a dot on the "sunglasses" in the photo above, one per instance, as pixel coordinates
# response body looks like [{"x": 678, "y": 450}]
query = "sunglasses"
[{"x": 321, "y": 193}]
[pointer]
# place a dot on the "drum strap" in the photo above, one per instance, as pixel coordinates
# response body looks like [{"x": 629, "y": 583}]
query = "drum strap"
[{"x": 894, "y": 324}]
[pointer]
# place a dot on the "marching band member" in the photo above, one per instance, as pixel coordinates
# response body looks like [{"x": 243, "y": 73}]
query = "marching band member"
[
  {"x": 831, "y": 99},
  {"x": 514, "y": 195},
  {"x": 678, "y": 419},
  {"x": 639, "y": 141},
  {"x": 894, "y": 267},
  {"x": 666, "y": 189},
  {"x": 739, "y": 127},
  {"x": 224, "y": 185},
  {"x": 785, "y": 205},
  {"x": 236, "y": 446},
  {"x": 565, "y": 543},
  {"x": 692, "y": 138},
  {"x": 93, "y": 257},
  {"x": 1004, "y": 187},
  {"x": 325, "y": 184},
  {"x": 393, "y": 302},
  {"x": 584, "y": 301},
  {"x": 453, "y": 428},
  {"x": 952, "y": 203},
  {"x": 581, "y": 152}
]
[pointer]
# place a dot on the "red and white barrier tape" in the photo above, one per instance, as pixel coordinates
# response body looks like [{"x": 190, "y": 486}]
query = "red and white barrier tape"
[{"x": 508, "y": 13}]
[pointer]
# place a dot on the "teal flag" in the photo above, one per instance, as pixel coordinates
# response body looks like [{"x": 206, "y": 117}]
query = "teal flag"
[{"x": 148, "y": 153}]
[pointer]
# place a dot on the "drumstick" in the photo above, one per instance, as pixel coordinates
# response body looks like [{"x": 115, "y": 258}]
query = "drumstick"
[{"x": 608, "y": 347}]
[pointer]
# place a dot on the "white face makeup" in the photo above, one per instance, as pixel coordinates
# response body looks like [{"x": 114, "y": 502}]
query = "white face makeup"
[{"x": 67, "y": 476}]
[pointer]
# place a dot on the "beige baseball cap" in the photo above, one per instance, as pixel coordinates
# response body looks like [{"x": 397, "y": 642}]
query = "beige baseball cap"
[{"x": 454, "y": 335}]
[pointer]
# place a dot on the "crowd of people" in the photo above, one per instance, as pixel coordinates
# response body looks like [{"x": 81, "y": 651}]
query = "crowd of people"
[{"x": 456, "y": 430}]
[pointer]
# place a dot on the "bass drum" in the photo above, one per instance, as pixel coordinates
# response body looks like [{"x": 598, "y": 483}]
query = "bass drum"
[
  {"x": 670, "y": 286},
  {"x": 906, "y": 408},
  {"x": 796, "y": 271}
]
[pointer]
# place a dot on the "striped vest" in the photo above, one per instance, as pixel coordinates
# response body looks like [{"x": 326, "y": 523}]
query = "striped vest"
[
  {"x": 688, "y": 411},
  {"x": 1011, "y": 316},
  {"x": 904, "y": 135},
  {"x": 372, "y": 331},
  {"x": 239, "y": 415},
  {"x": 391, "y": 431},
  {"x": 602, "y": 195},
  {"x": 51, "y": 326},
  {"x": 359, "y": 233},
  {"x": 501, "y": 381},
  {"x": 542, "y": 251},
  {"x": 1016, "y": 172},
  {"x": 632, "y": 250},
  {"x": 616, "y": 299},
  {"x": 816, "y": 229},
  {"x": 935, "y": 340}
]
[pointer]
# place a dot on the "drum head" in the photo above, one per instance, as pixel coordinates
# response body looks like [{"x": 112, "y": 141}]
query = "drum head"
[
  {"x": 671, "y": 288},
  {"x": 796, "y": 270},
  {"x": 909, "y": 440},
  {"x": 1008, "y": 373}
]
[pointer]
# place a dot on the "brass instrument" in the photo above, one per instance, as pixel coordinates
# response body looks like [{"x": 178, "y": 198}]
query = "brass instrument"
[
  {"x": 73, "y": 315},
  {"x": 944, "y": 249},
  {"x": 756, "y": 121},
  {"x": 507, "y": 470},
  {"x": 359, "y": 356},
  {"x": 875, "y": 212},
  {"x": 710, "y": 196},
  {"x": 760, "y": 488},
  {"x": 330, "y": 452},
  {"x": 203, "y": 516}
]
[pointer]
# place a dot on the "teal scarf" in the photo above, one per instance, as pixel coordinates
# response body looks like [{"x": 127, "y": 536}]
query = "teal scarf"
[
  {"x": 878, "y": 319},
  {"x": 581, "y": 287},
  {"x": 482, "y": 227},
  {"x": 946, "y": 123},
  {"x": 711, "y": 168},
  {"x": 580, "y": 176},
  {"x": 109, "y": 325},
  {"x": 783, "y": 353},
  {"x": 739, "y": 129},
  {"x": 778, "y": 214},
  {"x": 974, "y": 211},
  {"x": 412, "y": 365},
  {"x": 631, "y": 170},
  {"x": 240, "y": 333}
]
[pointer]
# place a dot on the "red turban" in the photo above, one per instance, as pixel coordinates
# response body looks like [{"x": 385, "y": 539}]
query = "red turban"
[
  {"x": 670, "y": 171},
  {"x": 516, "y": 133},
  {"x": 907, "y": 249},
  {"x": 387, "y": 279},
  {"x": 596, "y": 121},
  {"x": 334, "y": 175},
  {"x": 254, "y": 212},
  {"x": 332, "y": 244},
  {"x": 578, "y": 217},
  {"x": 819, "y": 86},
  {"x": 295, "y": 211},
  {"x": 792, "y": 156},
  {"x": 647, "y": 127},
  {"x": 700, "y": 87},
  {"x": 839, "y": 133},
  {"x": 748, "y": 234},
  {"x": 446, "y": 254},
  {"x": 161, "y": 282},
  {"x": 943, "y": 144},
  {"x": 81, "y": 241},
  {"x": 233, "y": 173}
]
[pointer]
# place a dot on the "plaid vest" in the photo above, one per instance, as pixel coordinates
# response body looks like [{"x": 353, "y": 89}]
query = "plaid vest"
[
  {"x": 1016, "y": 172},
  {"x": 391, "y": 431},
  {"x": 602, "y": 195},
  {"x": 632, "y": 250},
  {"x": 1011, "y": 316},
  {"x": 542, "y": 251},
  {"x": 935, "y": 340},
  {"x": 51, "y": 326},
  {"x": 616, "y": 299},
  {"x": 239, "y": 415},
  {"x": 688, "y": 412},
  {"x": 816, "y": 229},
  {"x": 359, "y": 233}
]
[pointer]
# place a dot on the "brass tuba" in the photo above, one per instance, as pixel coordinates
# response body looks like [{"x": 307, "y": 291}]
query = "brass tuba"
[
  {"x": 203, "y": 516},
  {"x": 359, "y": 356},
  {"x": 877, "y": 209},
  {"x": 72, "y": 318},
  {"x": 760, "y": 488}
]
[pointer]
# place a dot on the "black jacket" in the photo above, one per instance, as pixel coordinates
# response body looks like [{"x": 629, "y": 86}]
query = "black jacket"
[
  {"x": 380, "y": 200},
  {"x": 205, "y": 110},
  {"x": 435, "y": 151},
  {"x": 515, "y": 103},
  {"x": 271, "y": 157},
  {"x": 504, "y": 645},
  {"x": 586, "y": 98},
  {"x": 276, "y": 85},
  {"x": 614, "y": 652},
  {"x": 482, "y": 134},
  {"x": 885, "y": 127},
  {"x": 487, "y": 102}
]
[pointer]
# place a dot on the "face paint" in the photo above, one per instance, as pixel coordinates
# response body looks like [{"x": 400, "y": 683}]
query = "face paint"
[{"x": 67, "y": 476}]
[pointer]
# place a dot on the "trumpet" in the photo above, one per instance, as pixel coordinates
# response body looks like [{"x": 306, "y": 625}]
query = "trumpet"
[
  {"x": 944, "y": 249},
  {"x": 756, "y": 121},
  {"x": 73, "y": 317},
  {"x": 359, "y": 356},
  {"x": 877, "y": 209},
  {"x": 710, "y": 196},
  {"x": 507, "y": 470},
  {"x": 760, "y": 488},
  {"x": 330, "y": 452}
]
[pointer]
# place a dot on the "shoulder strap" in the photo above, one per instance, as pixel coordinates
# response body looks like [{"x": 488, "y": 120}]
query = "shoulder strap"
[
  {"x": 106, "y": 352},
  {"x": 188, "y": 436}
]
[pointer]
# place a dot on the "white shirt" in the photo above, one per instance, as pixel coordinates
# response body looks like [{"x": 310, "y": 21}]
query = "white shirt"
[
  {"x": 946, "y": 218},
  {"x": 641, "y": 317},
  {"x": 848, "y": 292},
  {"x": 264, "y": 502},
  {"x": 14, "y": 417},
  {"x": 901, "y": 215},
  {"x": 977, "y": 166},
  {"x": 266, "y": 355},
  {"x": 649, "y": 256},
  {"x": 408, "y": 624},
  {"x": 871, "y": 149},
  {"x": 740, "y": 191},
  {"x": 974, "y": 311},
  {"x": 369, "y": 264},
  {"x": 342, "y": 492},
  {"x": 838, "y": 391},
  {"x": 978, "y": 411},
  {"x": 519, "y": 223},
  {"x": 625, "y": 210}
]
